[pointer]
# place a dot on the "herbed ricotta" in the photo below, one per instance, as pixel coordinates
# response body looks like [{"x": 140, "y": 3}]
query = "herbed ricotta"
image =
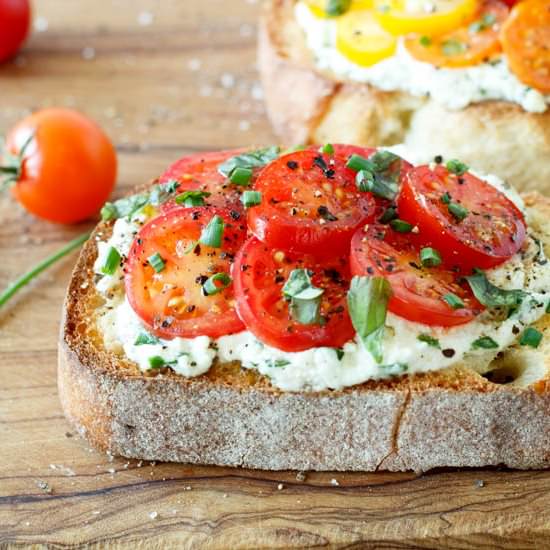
[
  {"x": 318, "y": 369},
  {"x": 453, "y": 88}
]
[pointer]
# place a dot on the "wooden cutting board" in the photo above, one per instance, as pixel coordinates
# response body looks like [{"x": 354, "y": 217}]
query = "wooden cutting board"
[{"x": 165, "y": 78}]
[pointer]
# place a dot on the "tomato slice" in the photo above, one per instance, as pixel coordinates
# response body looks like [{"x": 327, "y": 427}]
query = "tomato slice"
[
  {"x": 468, "y": 45},
  {"x": 525, "y": 40},
  {"x": 260, "y": 273},
  {"x": 172, "y": 302},
  {"x": 199, "y": 172},
  {"x": 361, "y": 39},
  {"x": 492, "y": 230},
  {"x": 431, "y": 19},
  {"x": 418, "y": 292},
  {"x": 310, "y": 204}
]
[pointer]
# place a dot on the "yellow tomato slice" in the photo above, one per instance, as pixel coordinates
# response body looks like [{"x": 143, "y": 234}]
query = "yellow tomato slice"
[
  {"x": 426, "y": 17},
  {"x": 328, "y": 8},
  {"x": 361, "y": 39}
]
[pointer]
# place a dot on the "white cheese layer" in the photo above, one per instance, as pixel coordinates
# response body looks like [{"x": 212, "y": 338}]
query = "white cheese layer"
[
  {"x": 326, "y": 368},
  {"x": 453, "y": 88}
]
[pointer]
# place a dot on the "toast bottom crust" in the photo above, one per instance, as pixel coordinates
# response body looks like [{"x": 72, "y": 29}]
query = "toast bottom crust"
[{"x": 194, "y": 421}]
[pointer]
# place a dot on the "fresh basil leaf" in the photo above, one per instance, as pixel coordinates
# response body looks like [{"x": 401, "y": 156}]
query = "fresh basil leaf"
[
  {"x": 492, "y": 296},
  {"x": 250, "y": 160},
  {"x": 368, "y": 303},
  {"x": 305, "y": 299}
]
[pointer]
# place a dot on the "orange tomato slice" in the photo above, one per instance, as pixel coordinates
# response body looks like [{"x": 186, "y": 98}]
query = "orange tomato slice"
[
  {"x": 526, "y": 42},
  {"x": 361, "y": 39},
  {"x": 466, "y": 46},
  {"x": 326, "y": 8},
  {"x": 426, "y": 17}
]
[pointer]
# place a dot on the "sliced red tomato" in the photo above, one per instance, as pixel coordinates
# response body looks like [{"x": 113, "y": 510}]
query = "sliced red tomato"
[
  {"x": 418, "y": 292},
  {"x": 260, "y": 273},
  {"x": 172, "y": 302},
  {"x": 491, "y": 231},
  {"x": 310, "y": 204},
  {"x": 199, "y": 172}
]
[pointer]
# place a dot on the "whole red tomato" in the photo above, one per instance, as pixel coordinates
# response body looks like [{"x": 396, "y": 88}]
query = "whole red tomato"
[
  {"x": 64, "y": 166},
  {"x": 15, "y": 17}
]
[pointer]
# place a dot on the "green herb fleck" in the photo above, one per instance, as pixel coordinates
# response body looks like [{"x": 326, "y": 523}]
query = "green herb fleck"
[
  {"x": 212, "y": 234},
  {"x": 457, "y": 167},
  {"x": 454, "y": 301},
  {"x": 156, "y": 262},
  {"x": 425, "y": 41},
  {"x": 146, "y": 338},
  {"x": 112, "y": 261},
  {"x": 430, "y": 340},
  {"x": 192, "y": 198},
  {"x": 453, "y": 47},
  {"x": 486, "y": 21},
  {"x": 530, "y": 337},
  {"x": 251, "y": 198},
  {"x": 337, "y": 7},
  {"x": 216, "y": 283},
  {"x": 401, "y": 226},
  {"x": 458, "y": 211},
  {"x": 327, "y": 149},
  {"x": 241, "y": 176},
  {"x": 430, "y": 257},
  {"x": 484, "y": 342}
]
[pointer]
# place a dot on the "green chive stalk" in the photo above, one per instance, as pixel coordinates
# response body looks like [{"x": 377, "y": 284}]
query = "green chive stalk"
[{"x": 42, "y": 266}]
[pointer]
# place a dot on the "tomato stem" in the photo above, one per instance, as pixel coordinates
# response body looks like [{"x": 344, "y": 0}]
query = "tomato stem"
[{"x": 40, "y": 267}]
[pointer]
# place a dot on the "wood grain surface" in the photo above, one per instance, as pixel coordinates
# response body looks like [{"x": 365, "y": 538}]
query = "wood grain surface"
[{"x": 164, "y": 78}]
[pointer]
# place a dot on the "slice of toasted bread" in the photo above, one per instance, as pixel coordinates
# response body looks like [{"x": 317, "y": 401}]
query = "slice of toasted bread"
[
  {"x": 306, "y": 105},
  {"x": 234, "y": 417}
]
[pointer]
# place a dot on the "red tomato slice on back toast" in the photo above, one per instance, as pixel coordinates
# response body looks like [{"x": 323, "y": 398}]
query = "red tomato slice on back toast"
[
  {"x": 260, "y": 273},
  {"x": 173, "y": 302},
  {"x": 418, "y": 292},
  {"x": 492, "y": 228}
]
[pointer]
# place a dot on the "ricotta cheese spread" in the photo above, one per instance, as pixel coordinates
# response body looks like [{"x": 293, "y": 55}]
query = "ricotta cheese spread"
[
  {"x": 453, "y": 88},
  {"x": 408, "y": 347}
]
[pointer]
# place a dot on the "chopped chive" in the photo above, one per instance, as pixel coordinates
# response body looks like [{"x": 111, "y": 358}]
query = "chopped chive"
[
  {"x": 457, "y": 167},
  {"x": 367, "y": 181},
  {"x": 339, "y": 353},
  {"x": 388, "y": 215},
  {"x": 217, "y": 283},
  {"x": 241, "y": 176},
  {"x": 425, "y": 41},
  {"x": 358, "y": 163},
  {"x": 446, "y": 198},
  {"x": 156, "y": 262},
  {"x": 430, "y": 340},
  {"x": 212, "y": 234},
  {"x": 156, "y": 362},
  {"x": 430, "y": 257},
  {"x": 401, "y": 226},
  {"x": 530, "y": 337},
  {"x": 328, "y": 149},
  {"x": 112, "y": 261},
  {"x": 484, "y": 342},
  {"x": 192, "y": 198},
  {"x": 251, "y": 198},
  {"x": 454, "y": 301},
  {"x": 458, "y": 211},
  {"x": 145, "y": 338}
]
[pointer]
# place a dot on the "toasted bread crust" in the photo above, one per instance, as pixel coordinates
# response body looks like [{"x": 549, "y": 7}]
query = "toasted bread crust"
[
  {"x": 306, "y": 105},
  {"x": 234, "y": 417}
]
